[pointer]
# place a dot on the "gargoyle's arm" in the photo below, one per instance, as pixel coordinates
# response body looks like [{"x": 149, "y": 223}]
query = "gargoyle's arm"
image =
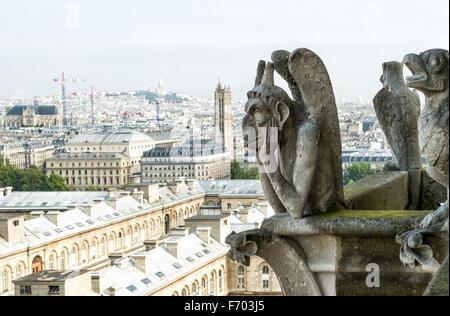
[
  {"x": 295, "y": 197},
  {"x": 271, "y": 194}
]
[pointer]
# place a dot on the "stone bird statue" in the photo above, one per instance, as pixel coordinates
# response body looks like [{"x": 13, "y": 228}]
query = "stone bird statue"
[
  {"x": 297, "y": 141},
  {"x": 430, "y": 71},
  {"x": 398, "y": 109}
]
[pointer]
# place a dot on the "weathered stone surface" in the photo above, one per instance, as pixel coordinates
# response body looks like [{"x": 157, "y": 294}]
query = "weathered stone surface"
[
  {"x": 432, "y": 193},
  {"x": 439, "y": 284},
  {"x": 430, "y": 76},
  {"x": 398, "y": 110},
  {"x": 291, "y": 136},
  {"x": 376, "y": 192}
]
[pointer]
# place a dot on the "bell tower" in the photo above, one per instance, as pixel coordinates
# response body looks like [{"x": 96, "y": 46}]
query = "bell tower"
[{"x": 223, "y": 122}]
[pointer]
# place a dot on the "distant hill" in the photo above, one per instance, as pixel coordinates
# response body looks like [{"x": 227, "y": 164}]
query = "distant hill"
[{"x": 152, "y": 96}]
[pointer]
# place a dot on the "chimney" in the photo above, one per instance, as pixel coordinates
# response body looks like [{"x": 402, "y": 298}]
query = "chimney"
[
  {"x": 8, "y": 190},
  {"x": 37, "y": 214},
  {"x": 96, "y": 282},
  {"x": 190, "y": 183},
  {"x": 124, "y": 193},
  {"x": 112, "y": 202},
  {"x": 110, "y": 192},
  {"x": 184, "y": 232},
  {"x": 263, "y": 207},
  {"x": 115, "y": 256},
  {"x": 53, "y": 216},
  {"x": 72, "y": 206},
  {"x": 12, "y": 228},
  {"x": 111, "y": 291},
  {"x": 141, "y": 262},
  {"x": 204, "y": 232},
  {"x": 149, "y": 245},
  {"x": 98, "y": 200},
  {"x": 2, "y": 192},
  {"x": 87, "y": 209},
  {"x": 172, "y": 246},
  {"x": 139, "y": 196}
]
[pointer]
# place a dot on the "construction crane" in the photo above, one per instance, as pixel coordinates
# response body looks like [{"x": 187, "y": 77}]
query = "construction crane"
[
  {"x": 92, "y": 107},
  {"x": 63, "y": 81}
]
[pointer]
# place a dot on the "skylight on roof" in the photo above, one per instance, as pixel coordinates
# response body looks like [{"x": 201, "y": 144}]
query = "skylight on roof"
[
  {"x": 79, "y": 224},
  {"x": 131, "y": 288},
  {"x": 58, "y": 230},
  {"x": 90, "y": 221},
  {"x": 206, "y": 251},
  {"x": 69, "y": 227},
  {"x": 190, "y": 259},
  {"x": 160, "y": 274},
  {"x": 146, "y": 281},
  {"x": 177, "y": 265},
  {"x": 199, "y": 254}
]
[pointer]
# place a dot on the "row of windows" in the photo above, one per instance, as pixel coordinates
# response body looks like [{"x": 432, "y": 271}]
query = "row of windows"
[
  {"x": 212, "y": 286},
  {"x": 241, "y": 278},
  {"x": 98, "y": 247}
]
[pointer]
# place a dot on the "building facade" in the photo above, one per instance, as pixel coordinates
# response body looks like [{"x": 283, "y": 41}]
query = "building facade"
[
  {"x": 31, "y": 115},
  {"x": 121, "y": 233},
  {"x": 128, "y": 143},
  {"x": 198, "y": 160},
  {"x": 91, "y": 170},
  {"x": 223, "y": 119}
]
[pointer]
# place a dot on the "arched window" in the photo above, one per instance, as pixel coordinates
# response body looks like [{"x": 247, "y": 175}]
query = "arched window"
[
  {"x": 73, "y": 257},
  {"x": 62, "y": 261},
  {"x": 175, "y": 293},
  {"x": 84, "y": 253},
  {"x": 119, "y": 241},
  {"x": 241, "y": 278},
  {"x": 36, "y": 264},
  {"x": 219, "y": 281},
  {"x": 19, "y": 271},
  {"x": 150, "y": 228},
  {"x": 51, "y": 262},
  {"x": 93, "y": 254},
  {"x": 112, "y": 242},
  {"x": 166, "y": 224},
  {"x": 128, "y": 238},
  {"x": 136, "y": 234},
  {"x": 203, "y": 287},
  {"x": 103, "y": 246},
  {"x": 265, "y": 277},
  {"x": 157, "y": 231},
  {"x": 183, "y": 293},
  {"x": 212, "y": 285},
  {"x": 144, "y": 230},
  {"x": 6, "y": 280},
  {"x": 194, "y": 289}
]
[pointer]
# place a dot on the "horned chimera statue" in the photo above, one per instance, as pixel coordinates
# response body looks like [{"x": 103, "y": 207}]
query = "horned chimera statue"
[{"x": 297, "y": 140}]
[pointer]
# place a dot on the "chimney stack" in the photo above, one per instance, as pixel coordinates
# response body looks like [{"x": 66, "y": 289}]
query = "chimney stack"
[
  {"x": 53, "y": 216},
  {"x": 96, "y": 282},
  {"x": 204, "y": 232},
  {"x": 87, "y": 209},
  {"x": 141, "y": 262},
  {"x": 139, "y": 196},
  {"x": 2, "y": 192},
  {"x": 110, "y": 192},
  {"x": 150, "y": 244},
  {"x": 8, "y": 190},
  {"x": 172, "y": 246},
  {"x": 112, "y": 202},
  {"x": 37, "y": 214}
]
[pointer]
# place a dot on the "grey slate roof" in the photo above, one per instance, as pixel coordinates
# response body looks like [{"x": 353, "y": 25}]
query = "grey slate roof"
[{"x": 38, "y": 110}]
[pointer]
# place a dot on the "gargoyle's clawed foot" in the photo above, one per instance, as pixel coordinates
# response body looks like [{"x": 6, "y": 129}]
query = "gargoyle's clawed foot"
[
  {"x": 241, "y": 248},
  {"x": 436, "y": 217},
  {"x": 391, "y": 166}
]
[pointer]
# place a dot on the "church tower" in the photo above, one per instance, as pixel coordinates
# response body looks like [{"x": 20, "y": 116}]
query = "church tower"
[{"x": 223, "y": 122}]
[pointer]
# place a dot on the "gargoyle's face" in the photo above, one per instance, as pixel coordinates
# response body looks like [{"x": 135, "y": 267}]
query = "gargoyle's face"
[
  {"x": 261, "y": 117},
  {"x": 430, "y": 71},
  {"x": 392, "y": 75}
]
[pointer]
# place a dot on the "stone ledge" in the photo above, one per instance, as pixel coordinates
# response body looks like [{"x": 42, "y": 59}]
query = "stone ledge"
[
  {"x": 346, "y": 223},
  {"x": 376, "y": 192}
]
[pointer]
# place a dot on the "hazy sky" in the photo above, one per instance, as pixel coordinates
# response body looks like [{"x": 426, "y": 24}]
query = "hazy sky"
[{"x": 123, "y": 45}]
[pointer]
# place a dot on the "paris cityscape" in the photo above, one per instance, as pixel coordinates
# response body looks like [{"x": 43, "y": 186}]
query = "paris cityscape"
[{"x": 128, "y": 189}]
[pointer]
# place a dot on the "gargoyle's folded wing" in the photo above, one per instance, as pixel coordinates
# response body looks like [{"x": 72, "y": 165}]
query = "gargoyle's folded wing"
[{"x": 313, "y": 81}]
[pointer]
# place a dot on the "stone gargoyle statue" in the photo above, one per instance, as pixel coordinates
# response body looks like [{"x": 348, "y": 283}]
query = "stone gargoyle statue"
[
  {"x": 398, "y": 109},
  {"x": 297, "y": 141},
  {"x": 430, "y": 71}
]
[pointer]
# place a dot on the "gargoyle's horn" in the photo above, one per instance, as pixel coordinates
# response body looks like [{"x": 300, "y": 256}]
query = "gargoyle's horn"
[
  {"x": 260, "y": 72},
  {"x": 267, "y": 80}
]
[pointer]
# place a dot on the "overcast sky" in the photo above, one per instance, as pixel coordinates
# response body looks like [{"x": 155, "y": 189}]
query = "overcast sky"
[{"x": 124, "y": 45}]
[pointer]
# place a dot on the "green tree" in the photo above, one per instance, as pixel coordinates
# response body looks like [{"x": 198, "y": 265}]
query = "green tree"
[
  {"x": 239, "y": 173},
  {"x": 56, "y": 183},
  {"x": 32, "y": 179},
  {"x": 357, "y": 171}
]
